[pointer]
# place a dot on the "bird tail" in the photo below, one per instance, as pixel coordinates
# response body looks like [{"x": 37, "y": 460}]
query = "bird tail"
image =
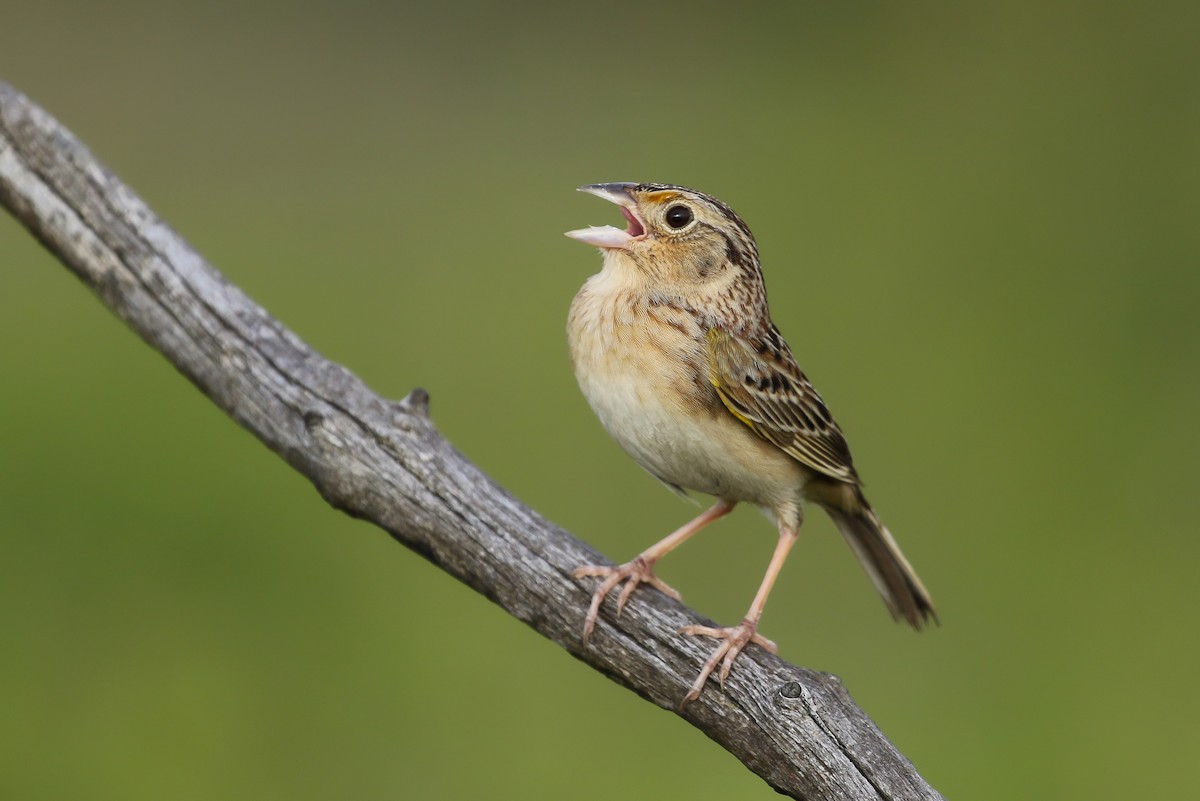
[{"x": 904, "y": 594}]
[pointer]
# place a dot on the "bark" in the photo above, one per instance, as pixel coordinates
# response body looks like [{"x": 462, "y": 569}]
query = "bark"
[{"x": 384, "y": 461}]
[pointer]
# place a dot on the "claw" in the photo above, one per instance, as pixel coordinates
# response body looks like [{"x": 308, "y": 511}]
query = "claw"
[
  {"x": 733, "y": 640},
  {"x": 635, "y": 572}
]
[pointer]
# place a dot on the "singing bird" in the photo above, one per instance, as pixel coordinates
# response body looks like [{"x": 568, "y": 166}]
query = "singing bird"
[{"x": 673, "y": 346}]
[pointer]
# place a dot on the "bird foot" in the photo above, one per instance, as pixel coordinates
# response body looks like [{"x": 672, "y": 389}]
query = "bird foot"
[
  {"x": 640, "y": 570},
  {"x": 733, "y": 640}
]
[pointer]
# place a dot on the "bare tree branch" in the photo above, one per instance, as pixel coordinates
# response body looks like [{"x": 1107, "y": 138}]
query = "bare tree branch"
[{"x": 383, "y": 461}]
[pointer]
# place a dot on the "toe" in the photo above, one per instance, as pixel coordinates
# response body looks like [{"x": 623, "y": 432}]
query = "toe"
[
  {"x": 727, "y": 662},
  {"x": 705, "y": 671},
  {"x": 733, "y": 641},
  {"x": 662, "y": 586},
  {"x": 704, "y": 631},
  {"x": 630, "y": 585},
  {"x": 589, "y": 571},
  {"x": 764, "y": 643}
]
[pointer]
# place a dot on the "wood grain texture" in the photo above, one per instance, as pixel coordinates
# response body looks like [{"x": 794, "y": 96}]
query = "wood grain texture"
[{"x": 384, "y": 461}]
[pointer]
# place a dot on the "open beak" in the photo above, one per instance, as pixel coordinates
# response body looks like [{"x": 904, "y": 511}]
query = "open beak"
[{"x": 608, "y": 236}]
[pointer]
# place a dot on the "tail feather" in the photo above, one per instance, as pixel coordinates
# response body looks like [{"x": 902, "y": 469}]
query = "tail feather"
[{"x": 904, "y": 594}]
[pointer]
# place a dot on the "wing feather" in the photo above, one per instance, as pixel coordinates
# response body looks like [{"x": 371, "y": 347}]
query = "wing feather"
[{"x": 760, "y": 383}]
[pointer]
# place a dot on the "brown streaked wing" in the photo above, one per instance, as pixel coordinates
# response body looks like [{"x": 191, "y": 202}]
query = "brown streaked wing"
[{"x": 761, "y": 385}]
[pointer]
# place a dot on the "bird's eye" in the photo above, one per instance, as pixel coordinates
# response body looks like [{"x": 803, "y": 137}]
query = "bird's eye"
[{"x": 678, "y": 216}]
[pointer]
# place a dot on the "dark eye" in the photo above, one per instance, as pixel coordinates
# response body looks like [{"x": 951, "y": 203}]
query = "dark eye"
[{"x": 678, "y": 216}]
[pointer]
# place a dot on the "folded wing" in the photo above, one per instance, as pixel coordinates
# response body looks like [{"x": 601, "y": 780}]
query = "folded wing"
[{"x": 760, "y": 383}]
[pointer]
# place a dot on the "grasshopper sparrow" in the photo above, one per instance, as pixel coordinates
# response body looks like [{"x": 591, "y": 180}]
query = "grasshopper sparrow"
[{"x": 673, "y": 346}]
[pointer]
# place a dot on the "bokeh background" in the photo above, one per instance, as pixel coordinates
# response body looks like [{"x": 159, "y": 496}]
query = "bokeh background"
[{"x": 979, "y": 227}]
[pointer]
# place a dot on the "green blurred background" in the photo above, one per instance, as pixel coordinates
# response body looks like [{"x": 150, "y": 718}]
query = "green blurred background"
[{"x": 978, "y": 223}]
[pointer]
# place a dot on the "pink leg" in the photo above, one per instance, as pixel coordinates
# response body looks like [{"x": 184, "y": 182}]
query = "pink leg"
[
  {"x": 733, "y": 640},
  {"x": 641, "y": 568}
]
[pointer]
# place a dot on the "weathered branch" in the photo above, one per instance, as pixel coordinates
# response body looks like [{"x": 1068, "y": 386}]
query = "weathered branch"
[{"x": 384, "y": 461}]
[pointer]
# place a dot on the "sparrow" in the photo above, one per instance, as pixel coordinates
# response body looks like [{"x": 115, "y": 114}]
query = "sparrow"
[{"x": 674, "y": 349}]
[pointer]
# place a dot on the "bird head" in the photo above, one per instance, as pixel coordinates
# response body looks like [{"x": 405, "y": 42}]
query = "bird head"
[{"x": 675, "y": 237}]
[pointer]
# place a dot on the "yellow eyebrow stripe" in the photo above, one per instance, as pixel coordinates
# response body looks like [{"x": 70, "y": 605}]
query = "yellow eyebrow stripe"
[{"x": 661, "y": 196}]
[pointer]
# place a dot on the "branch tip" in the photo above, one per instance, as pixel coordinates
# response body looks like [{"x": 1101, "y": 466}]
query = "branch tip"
[{"x": 415, "y": 402}]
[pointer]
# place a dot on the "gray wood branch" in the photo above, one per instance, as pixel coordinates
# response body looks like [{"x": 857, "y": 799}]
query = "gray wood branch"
[{"x": 383, "y": 461}]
